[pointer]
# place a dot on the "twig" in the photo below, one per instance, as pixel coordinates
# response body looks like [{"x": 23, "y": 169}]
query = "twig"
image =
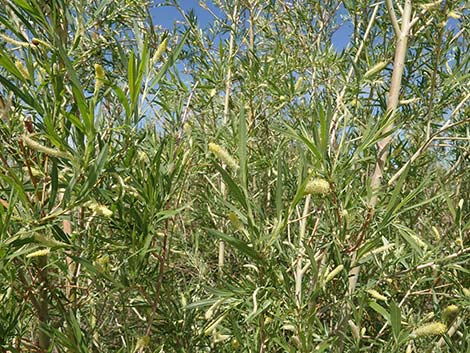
[
  {"x": 393, "y": 17},
  {"x": 156, "y": 300},
  {"x": 433, "y": 263},
  {"x": 301, "y": 250},
  {"x": 424, "y": 147},
  {"x": 336, "y": 119},
  {"x": 228, "y": 90},
  {"x": 450, "y": 332}
]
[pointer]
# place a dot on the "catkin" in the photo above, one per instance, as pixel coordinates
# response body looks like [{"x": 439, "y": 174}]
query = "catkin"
[
  {"x": 354, "y": 329},
  {"x": 376, "y": 295},
  {"x": 298, "y": 84},
  {"x": 13, "y": 41},
  {"x": 333, "y": 273},
  {"x": 223, "y": 155},
  {"x": 431, "y": 329},
  {"x": 99, "y": 209},
  {"x": 22, "y": 69},
  {"x": 450, "y": 313},
  {"x": 317, "y": 186},
  {"x": 160, "y": 50},
  {"x": 42, "y": 252},
  {"x": 375, "y": 69},
  {"x": 100, "y": 75},
  {"x": 41, "y": 148},
  {"x": 235, "y": 220}
]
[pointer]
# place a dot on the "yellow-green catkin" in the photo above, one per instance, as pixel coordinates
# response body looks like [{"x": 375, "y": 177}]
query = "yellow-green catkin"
[
  {"x": 430, "y": 329},
  {"x": 354, "y": 329},
  {"x": 376, "y": 295},
  {"x": 217, "y": 337},
  {"x": 99, "y": 209},
  {"x": 211, "y": 328},
  {"x": 454, "y": 15},
  {"x": 375, "y": 69},
  {"x": 103, "y": 263},
  {"x": 42, "y": 252},
  {"x": 223, "y": 155},
  {"x": 13, "y": 41},
  {"x": 298, "y": 84},
  {"x": 450, "y": 313},
  {"x": 143, "y": 341},
  {"x": 100, "y": 75},
  {"x": 235, "y": 220},
  {"x": 333, "y": 273},
  {"x": 41, "y": 148},
  {"x": 356, "y": 103},
  {"x": 103, "y": 211},
  {"x": 22, "y": 69},
  {"x": 235, "y": 343},
  {"x": 210, "y": 312},
  {"x": 46, "y": 241},
  {"x": 431, "y": 5},
  {"x": 317, "y": 186},
  {"x": 160, "y": 50},
  {"x": 408, "y": 101},
  {"x": 35, "y": 172},
  {"x": 36, "y": 42},
  {"x": 379, "y": 250},
  {"x": 466, "y": 292}
]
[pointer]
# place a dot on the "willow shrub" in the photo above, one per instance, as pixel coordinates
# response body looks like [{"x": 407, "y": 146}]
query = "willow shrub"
[{"x": 241, "y": 187}]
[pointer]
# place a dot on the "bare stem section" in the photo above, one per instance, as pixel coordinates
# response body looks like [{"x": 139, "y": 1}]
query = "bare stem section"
[
  {"x": 228, "y": 91},
  {"x": 43, "y": 338},
  {"x": 393, "y": 99},
  {"x": 301, "y": 253}
]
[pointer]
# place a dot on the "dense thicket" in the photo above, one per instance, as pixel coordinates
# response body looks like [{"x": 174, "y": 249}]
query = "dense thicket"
[{"x": 241, "y": 186}]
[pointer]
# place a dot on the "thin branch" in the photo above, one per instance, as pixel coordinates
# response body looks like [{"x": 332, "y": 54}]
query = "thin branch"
[
  {"x": 393, "y": 17},
  {"x": 433, "y": 263},
  {"x": 423, "y": 148},
  {"x": 450, "y": 332},
  {"x": 421, "y": 13},
  {"x": 226, "y": 117},
  {"x": 393, "y": 99},
  {"x": 339, "y": 102},
  {"x": 300, "y": 255}
]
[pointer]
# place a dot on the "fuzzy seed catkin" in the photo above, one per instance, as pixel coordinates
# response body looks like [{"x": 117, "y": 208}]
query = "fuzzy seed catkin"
[
  {"x": 223, "y": 155},
  {"x": 430, "y": 329},
  {"x": 317, "y": 186},
  {"x": 41, "y": 148},
  {"x": 450, "y": 313},
  {"x": 42, "y": 252},
  {"x": 376, "y": 295}
]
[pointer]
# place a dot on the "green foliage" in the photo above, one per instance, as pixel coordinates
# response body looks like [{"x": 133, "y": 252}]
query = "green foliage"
[{"x": 123, "y": 229}]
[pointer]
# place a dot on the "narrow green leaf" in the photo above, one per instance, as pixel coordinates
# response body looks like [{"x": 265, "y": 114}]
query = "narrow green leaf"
[
  {"x": 171, "y": 60},
  {"x": 395, "y": 319},
  {"x": 380, "y": 309},
  {"x": 279, "y": 188},
  {"x": 238, "y": 244},
  {"x": 95, "y": 171},
  {"x": 308, "y": 143},
  {"x": 394, "y": 198},
  {"x": 235, "y": 191},
  {"x": 242, "y": 149},
  {"x": 78, "y": 93},
  {"x": 54, "y": 183}
]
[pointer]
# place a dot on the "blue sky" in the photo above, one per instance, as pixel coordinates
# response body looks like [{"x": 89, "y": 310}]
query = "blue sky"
[{"x": 166, "y": 16}]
